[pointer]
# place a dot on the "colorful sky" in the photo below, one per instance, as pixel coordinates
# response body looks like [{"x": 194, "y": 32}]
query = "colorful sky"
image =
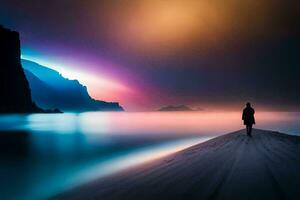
[{"x": 149, "y": 53}]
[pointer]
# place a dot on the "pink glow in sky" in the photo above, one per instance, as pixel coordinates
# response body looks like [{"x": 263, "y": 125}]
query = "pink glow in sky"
[
  {"x": 101, "y": 84},
  {"x": 146, "y": 54}
]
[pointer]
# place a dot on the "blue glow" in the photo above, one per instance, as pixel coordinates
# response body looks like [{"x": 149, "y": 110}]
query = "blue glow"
[{"x": 55, "y": 152}]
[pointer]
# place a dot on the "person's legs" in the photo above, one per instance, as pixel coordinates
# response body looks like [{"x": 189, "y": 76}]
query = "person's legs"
[{"x": 250, "y": 130}]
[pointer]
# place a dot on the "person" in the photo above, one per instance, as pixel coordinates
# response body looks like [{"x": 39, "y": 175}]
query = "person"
[{"x": 248, "y": 118}]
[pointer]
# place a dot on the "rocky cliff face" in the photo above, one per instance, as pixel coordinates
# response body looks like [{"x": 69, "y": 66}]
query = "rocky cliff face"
[
  {"x": 50, "y": 89},
  {"x": 14, "y": 88}
]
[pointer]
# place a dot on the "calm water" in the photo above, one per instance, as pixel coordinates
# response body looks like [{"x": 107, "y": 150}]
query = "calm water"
[{"x": 44, "y": 154}]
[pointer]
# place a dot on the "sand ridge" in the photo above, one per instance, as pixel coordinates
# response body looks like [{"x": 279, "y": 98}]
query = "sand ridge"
[{"x": 232, "y": 166}]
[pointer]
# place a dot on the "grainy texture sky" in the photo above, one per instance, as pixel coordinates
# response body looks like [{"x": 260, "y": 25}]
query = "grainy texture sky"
[{"x": 149, "y": 53}]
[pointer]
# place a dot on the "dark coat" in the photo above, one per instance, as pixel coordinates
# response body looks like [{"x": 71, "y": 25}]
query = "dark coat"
[{"x": 248, "y": 116}]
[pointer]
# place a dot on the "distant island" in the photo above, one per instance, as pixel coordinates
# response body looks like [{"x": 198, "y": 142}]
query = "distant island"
[
  {"x": 172, "y": 108},
  {"x": 50, "y": 89}
]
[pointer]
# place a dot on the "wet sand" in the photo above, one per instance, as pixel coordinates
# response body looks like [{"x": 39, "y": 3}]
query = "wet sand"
[{"x": 232, "y": 166}]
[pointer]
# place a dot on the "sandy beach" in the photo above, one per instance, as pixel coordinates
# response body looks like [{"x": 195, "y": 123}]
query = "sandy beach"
[{"x": 232, "y": 166}]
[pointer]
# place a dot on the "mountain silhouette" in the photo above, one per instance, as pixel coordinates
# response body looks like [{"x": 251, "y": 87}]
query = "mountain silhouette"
[
  {"x": 14, "y": 87},
  {"x": 176, "y": 108},
  {"x": 51, "y": 89}
]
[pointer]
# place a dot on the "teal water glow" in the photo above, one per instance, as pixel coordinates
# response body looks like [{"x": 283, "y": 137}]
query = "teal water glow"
[{"x": 44, "y": 154}]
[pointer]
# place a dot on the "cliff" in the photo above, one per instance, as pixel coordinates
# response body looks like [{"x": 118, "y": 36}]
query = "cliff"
[
  {"x": 14, "y": 87},
  {"x": 50, "y": 89}
]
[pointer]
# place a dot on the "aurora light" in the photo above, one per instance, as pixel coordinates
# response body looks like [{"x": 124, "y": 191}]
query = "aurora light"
[
  {"x": 99, "y": 87},
  {"x": 146, "y": 54}
]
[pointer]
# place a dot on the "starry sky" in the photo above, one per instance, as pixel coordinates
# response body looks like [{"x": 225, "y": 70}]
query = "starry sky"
[{"x": 213, "y": 54}]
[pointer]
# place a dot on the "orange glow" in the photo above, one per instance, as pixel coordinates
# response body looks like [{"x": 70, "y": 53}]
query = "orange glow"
[
  {"x": 169, "y": 24},
  {"x": 176, "y": 22},
  {"x": 155, "y": 25}
]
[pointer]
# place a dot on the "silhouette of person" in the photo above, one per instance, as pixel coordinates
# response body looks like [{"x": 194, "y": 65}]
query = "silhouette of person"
[{"x": 248, "y": 117}]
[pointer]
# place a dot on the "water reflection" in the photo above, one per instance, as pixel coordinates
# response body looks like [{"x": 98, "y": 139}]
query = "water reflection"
[
  {"x": 15, "y": 144},
  {"x": 145, "y": 123},
  {"x": 155, "y": 122},
  {"x": 42, "y": 154},
  {"x": 37, "y": 166}
]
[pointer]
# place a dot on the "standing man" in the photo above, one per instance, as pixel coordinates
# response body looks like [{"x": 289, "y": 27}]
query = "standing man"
[{"x": 248, "y": 117}]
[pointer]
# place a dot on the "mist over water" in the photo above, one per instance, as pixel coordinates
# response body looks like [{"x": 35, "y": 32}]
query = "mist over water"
[
  {"x": 43, "y": 154},
  {"x": 153, "y": 123}
]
